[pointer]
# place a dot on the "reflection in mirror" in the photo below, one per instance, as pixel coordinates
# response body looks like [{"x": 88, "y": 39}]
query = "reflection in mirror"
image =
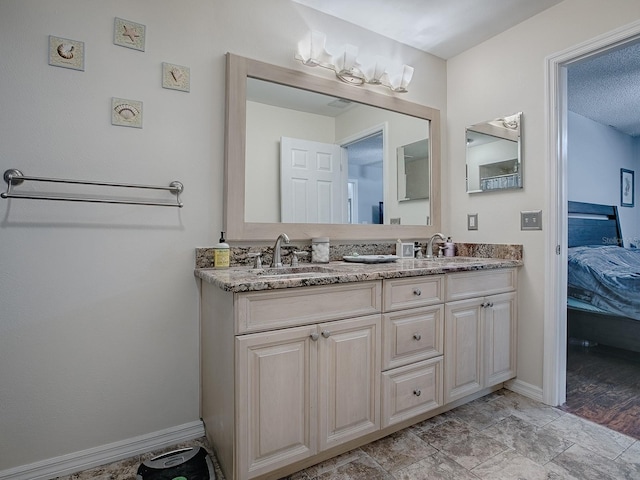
[
  {"x": 494, "y": 154},
  {"x": 273, "y": 136},
  {"x": 413, "y": 171},
  {"x": 313, "y": 158}
]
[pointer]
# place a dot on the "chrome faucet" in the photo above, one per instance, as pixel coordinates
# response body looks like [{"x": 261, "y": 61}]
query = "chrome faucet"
[
  {"x": 276, "y": 262},
  {"x": 430, "y": 244}
]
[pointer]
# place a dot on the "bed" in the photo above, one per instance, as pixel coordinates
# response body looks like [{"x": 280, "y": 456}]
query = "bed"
[{"x": 603, "y": 293}]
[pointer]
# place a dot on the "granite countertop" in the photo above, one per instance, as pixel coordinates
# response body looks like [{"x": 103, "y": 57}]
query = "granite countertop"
[{"x": 244, "y": 279}]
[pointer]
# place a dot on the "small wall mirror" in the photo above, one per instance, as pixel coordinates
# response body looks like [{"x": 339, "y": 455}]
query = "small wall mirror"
[
  {"x": 413, "y": 171},
  {"x": 494, "y": 154}
]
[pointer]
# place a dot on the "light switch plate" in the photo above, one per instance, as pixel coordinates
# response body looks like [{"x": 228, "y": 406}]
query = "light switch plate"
[
  {"x": 531, "y": 220},
  {"x": 472, "y": 221}
]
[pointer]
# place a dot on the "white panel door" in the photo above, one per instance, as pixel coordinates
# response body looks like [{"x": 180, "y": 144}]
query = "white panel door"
[{"x": 313, "y": 188}]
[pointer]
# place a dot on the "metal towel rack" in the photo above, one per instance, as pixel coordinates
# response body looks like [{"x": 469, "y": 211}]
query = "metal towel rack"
[{"x": 15, "y": 177}]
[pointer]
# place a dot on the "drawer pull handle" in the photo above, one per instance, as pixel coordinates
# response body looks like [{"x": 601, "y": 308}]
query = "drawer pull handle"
[
  {"x": 314, "y": 337},
  {"x": 417, "y": 292},
  {"x": 417, "y": 392},
  {"x": 326, "y": 333},
  {"x": 417, "y": 336}
]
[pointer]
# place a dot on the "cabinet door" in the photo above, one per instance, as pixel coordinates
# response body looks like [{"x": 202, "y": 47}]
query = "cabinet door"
[
  {"x": 275, "y": 398},
  {"x": 463, "y": 349},
  {"x": 349, "y": 374},
  {"x": 500, "y": 325}
]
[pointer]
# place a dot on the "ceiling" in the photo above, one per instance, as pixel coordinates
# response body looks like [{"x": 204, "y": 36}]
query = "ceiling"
[
  {"x": 443, "y": 28},
  {"x": 605, "y": 89}
]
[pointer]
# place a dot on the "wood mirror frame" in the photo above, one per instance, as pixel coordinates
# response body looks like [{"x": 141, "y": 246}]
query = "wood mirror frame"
[{"x": 234, "y": 224}]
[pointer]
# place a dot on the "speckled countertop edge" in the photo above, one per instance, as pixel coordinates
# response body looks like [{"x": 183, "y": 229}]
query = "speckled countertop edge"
[{"x": 244, "y": 279}]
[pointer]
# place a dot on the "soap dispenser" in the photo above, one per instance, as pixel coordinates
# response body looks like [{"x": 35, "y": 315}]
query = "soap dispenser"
[{"x": 221, "y": 253}]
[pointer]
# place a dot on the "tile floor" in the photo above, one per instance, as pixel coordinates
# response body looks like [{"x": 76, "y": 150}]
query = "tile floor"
[{"x": 500, "y": 436}]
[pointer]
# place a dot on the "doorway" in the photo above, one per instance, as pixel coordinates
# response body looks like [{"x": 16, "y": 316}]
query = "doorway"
[
  {"x": 555, "y": 323},
  {"x": 365, "y": 159}
]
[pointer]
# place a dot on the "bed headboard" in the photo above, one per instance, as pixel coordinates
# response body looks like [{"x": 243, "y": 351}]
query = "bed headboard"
[{"x": 593, "y": 224}]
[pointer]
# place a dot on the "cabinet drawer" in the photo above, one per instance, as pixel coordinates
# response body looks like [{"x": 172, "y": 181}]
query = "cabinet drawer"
[
  {"x": 480, "y": 283},
  {"x": 412, "y": 335},
  {"x": 411, "y": 390},
  {"x": 256, "y": 311},
  {"x": 401, "y": 293}
]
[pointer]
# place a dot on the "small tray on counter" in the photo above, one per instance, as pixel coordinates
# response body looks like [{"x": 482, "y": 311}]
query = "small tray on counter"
[{"x": 370, "y": 258}]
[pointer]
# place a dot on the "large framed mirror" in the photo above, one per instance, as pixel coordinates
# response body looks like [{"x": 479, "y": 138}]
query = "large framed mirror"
[
  {"x": 267, "y": 112},
  {"x": 494, "y": 154}
]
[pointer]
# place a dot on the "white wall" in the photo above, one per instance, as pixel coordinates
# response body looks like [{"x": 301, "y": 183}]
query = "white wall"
[
  {"x": 596, "y": 153},
  {"x": 503, "y": 75},
  {"x": 98, "y": 303},
  {"x": 99, "y": 322}
]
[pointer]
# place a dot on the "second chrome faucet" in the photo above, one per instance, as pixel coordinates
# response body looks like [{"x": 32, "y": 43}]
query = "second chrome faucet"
[{"x": 430, "y": 244}]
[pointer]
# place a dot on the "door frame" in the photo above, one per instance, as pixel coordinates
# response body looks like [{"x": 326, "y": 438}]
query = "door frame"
[{"x": 554, "y": 380}]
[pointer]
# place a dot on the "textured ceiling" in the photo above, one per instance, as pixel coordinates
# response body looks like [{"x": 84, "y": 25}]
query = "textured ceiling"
[{"x": 606, "y": 89}]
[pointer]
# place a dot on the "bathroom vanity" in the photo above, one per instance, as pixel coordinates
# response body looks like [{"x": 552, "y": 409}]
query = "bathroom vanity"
[{"x": 301, "y": 365}]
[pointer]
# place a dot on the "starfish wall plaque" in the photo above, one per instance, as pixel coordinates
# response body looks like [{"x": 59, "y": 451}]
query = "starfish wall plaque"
[{"x": 129, "y": 34}]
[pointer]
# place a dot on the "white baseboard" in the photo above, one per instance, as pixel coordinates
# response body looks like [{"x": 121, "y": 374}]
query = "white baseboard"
[
  {"x": 523, "y": 388},
  {"x": 111, "y": 452}
]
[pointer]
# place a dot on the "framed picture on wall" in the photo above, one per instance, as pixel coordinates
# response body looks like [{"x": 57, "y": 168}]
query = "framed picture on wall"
[{"x": 627, "y": 188}]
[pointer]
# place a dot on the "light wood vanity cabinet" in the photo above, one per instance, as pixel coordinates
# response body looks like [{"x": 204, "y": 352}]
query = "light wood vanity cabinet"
[
  {"x": 293, "y": 376},
  {"x": 306, "y": 378},
  {"x": 412, "y": 348},
  {"x": 480, "y": 331}
]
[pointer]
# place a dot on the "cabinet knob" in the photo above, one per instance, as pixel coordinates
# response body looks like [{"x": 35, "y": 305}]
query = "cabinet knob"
[
  {"x": 484, "y": 304},
  {"x": 490, "y": 304},
  {"x": 326, "y": 333},
  {"x": 314, "y": 336},
  {"x": 417, "y": 292},
  {"x": 417, "y": 392},
  {"x": 417, "y": 336}
]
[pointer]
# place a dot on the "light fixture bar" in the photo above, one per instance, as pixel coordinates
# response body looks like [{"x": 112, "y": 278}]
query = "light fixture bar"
[{"x": 312, "y": 53}]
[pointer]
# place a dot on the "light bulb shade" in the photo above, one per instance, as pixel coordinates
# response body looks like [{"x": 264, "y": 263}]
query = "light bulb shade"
[
  {"x": 400, "y": 82},
  {"x": 374, "y": 70},
  {"x": 311, "y": 49},
  {"x": 347, "y": 67},
  {"x": 347, "y": 58}
]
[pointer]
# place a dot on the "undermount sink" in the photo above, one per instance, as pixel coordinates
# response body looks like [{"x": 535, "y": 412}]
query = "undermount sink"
[{"x": 293, "y": 272}]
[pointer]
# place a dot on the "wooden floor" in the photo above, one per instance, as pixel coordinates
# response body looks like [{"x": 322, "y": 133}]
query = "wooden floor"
[{"x": 603, "y": 385}]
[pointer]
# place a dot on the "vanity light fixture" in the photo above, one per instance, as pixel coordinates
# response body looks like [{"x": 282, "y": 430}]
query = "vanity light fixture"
[{"x": 312, "y": 53}]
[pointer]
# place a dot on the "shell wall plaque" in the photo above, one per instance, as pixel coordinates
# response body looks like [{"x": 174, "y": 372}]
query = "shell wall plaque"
[
  {"x": 126, "y": 113},
  {"x": 129, "y": 34},
  {"x": 176, "y": 77},
  {"x": 66, "y": 53}
]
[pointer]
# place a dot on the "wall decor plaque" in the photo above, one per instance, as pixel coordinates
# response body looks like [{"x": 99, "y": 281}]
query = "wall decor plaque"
[
  {"x": 66, "y": 53},
  {"x": 176, "y": 77},
  {"x": 129, "y": 34},
  {"x": 126, "y": 113}
]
